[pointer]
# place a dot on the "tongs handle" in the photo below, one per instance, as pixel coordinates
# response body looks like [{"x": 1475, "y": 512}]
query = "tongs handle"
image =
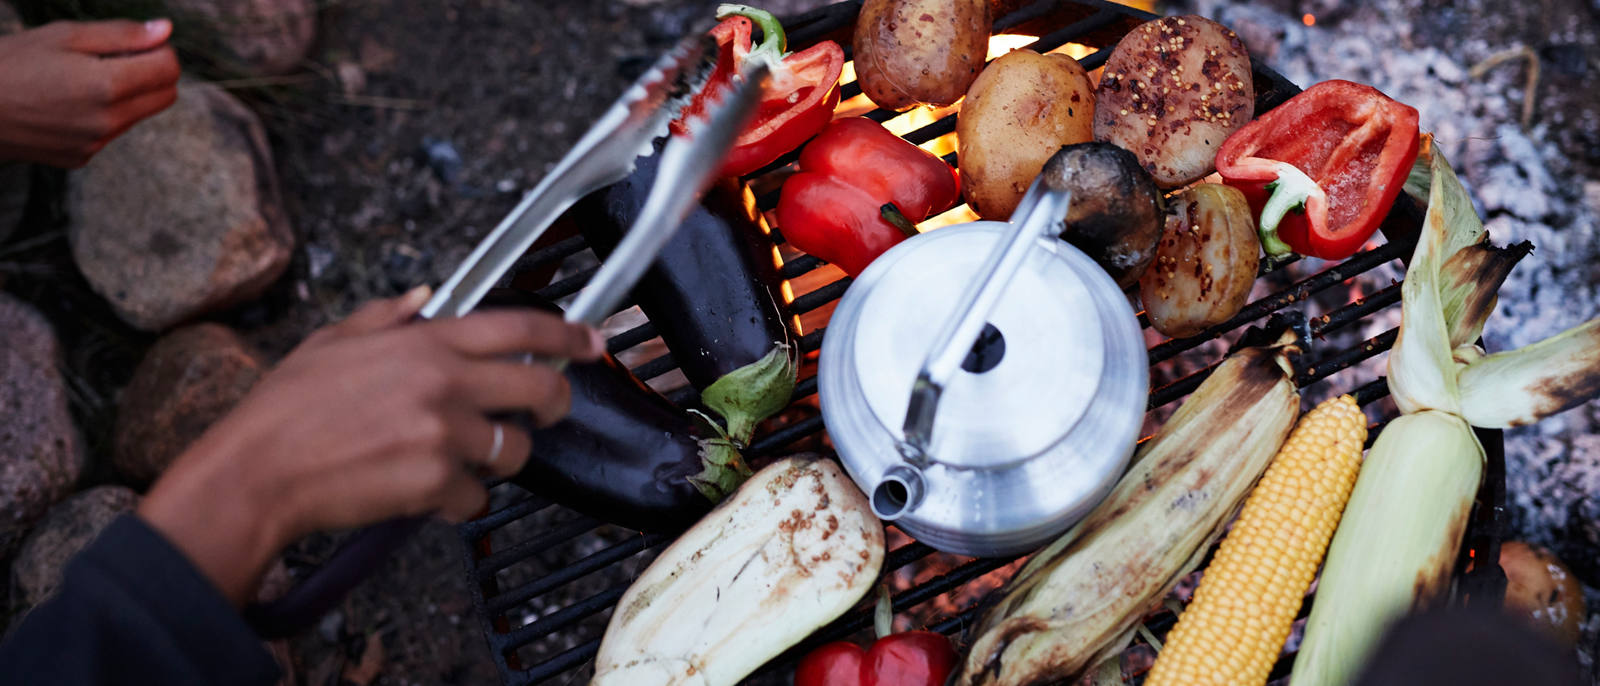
[
  {"x": 1040, "y": 214},
  {"x": 688, "y": 167}
]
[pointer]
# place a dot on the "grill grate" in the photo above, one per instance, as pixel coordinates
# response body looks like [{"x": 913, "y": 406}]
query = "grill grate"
[{"x": 532, "y": 560}]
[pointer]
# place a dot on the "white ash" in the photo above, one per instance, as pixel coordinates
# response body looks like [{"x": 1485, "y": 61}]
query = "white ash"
[{"x": 1526, "y": 190}]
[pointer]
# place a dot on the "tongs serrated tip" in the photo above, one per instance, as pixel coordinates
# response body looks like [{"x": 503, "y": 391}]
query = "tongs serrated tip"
[{"x": 605, "y": 154}]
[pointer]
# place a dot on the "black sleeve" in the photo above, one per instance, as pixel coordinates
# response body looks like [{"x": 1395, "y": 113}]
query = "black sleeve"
[{"x": 131, "y": 609}]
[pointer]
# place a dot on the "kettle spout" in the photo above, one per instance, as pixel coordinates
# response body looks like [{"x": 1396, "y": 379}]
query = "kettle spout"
[{"x": 897, "y": 493}]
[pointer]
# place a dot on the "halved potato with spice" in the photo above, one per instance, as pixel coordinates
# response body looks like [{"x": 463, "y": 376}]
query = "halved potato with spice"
[
  {"x": 1205, "y": 263},
  {"x": 1173, "y": 89}
]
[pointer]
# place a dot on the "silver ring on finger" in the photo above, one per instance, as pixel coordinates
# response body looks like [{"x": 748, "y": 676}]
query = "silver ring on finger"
[{"x": 499, "y": 443}]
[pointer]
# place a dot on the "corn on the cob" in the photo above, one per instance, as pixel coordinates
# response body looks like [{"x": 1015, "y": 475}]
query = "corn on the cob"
[
  {"x": 1397, "y": 545},
  {"x": 1079, "y": 599},
  {"x": 1233, "y": 631}
]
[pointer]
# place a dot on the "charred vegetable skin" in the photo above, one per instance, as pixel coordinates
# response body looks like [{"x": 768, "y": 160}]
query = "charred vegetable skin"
[
  {"x": 713, "y": 292},
  {"x": 795, "y": 104},
  {"x": 1323, "y": 169},
  {"x": 623, "y": 454},
  {"x": 713, "y": 296},
  {"x": 1116, "y": 208},
  {"x": 860, "y": 190}
]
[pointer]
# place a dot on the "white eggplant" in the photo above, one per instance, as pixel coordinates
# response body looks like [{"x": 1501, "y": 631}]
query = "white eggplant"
[{"x": 795, "y": 547}]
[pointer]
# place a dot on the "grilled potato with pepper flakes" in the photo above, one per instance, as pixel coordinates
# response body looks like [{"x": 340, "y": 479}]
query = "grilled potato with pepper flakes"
[
  {"x": 1173, "y": 89},
  {"x": 1205, "y": 263}
]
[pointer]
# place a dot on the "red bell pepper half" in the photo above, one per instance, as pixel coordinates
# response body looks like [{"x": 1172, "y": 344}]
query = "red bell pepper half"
[
  {"x": 860, "y": 190},
  {"x": 799, "y": 97},
  {"x": 910, "y": 658},
  {"x": 1322, "y": 170}
]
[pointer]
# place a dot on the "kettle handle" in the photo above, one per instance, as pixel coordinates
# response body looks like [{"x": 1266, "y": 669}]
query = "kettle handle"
[{"x": 1040, "y": 214}]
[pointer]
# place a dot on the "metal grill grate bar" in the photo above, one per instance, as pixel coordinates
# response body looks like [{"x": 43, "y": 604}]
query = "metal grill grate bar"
[
  {"x": 621, "y": 551},
  {"x": 503, "y": 516},
  {"x": 1095, "y": 17},
  {"x": 566, "y": 531}
]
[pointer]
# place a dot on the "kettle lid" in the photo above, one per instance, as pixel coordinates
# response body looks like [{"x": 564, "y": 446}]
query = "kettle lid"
[{"x": 1026, "y": 383}]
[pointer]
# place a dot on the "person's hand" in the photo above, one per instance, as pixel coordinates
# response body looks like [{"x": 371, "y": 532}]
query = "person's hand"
[
  {"x": 368, "y": 419},
  {"x": 68, "y": 88}
]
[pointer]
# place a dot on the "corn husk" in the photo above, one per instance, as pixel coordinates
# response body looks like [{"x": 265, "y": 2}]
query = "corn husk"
[
  {"x": 1078, "y": 601},
  {"x": 1391, "y": 554},
  {"x": 1396, "y": 546},
  {"x": 1519, "y": 387}
]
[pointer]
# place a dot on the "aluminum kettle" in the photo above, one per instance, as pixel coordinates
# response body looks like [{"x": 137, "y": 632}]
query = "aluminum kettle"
[{"x": 985, "y": 383}]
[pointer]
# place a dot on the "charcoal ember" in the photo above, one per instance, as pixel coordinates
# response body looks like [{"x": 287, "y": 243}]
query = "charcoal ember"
[
  {"x": 181, "y": 216},
  {"x": 39, "y": 448},
  {"x": 251, "y": 37},
  {"x": 68, "y": 528},
  {"x": 189, "y": 379}
]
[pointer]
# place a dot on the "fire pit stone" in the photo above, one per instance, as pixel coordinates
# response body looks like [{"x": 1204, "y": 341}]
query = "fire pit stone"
[
  {"x": 181, "y": 216},
  {"x": 189, "y": 379},
  {"x": 65, "y": 530},
  {"x": 39, "y": 455},
  {"x": 253, "y": 37}
]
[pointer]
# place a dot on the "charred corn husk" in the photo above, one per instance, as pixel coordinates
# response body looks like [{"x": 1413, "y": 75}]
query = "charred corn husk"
[
  {"x": 792, "y": 549},
  {"x": 1232, "y": 632},
  {"x": 1078, "y": 600},
  {"x": 1397, "y": 545},
  {"x": 1391, "y": 552}
]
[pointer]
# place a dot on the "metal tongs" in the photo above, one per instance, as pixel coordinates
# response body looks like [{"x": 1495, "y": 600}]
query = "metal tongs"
[{"x": 604, "y": 155}]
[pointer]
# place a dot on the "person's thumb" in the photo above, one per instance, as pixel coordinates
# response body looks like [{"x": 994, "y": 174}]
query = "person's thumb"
[
  {"x": 382, "y": 314},
  {"x": 118, "y": 36}
]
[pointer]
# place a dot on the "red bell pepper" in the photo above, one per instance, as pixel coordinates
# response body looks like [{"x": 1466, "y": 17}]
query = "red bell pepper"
[
  {"x": 1322, "y": 170},
  {"x": 859, "y": 191},
  {"x": 910, "y": 658},
  {"x": 799, "y": 97}
]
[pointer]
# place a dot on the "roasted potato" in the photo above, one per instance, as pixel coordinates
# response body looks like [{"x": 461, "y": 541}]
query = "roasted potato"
[
  {"x": 920, "y": 51},
  {"x": 1115, "y": 216},
  {"x": 1023, "y": 108},
  {"x": 1541, "y": 588},
  {"x": 1173, "y": 89},
  {"x": 1205, "y": 264}
]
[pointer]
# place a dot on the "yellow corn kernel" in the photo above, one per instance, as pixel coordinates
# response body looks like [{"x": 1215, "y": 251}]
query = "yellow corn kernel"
[{"x": 1246, "y": 603}]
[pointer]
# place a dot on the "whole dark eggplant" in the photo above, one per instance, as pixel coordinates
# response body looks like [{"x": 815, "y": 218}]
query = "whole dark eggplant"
[
  {"x": 624, "y": 454},
  {"x": 713, "y": 293},
  {"x": 713, "y": 296}
]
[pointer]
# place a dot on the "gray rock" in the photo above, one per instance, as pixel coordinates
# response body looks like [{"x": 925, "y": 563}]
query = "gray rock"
[
  {"x": 68, "y": 528},
  {"x": 253, "y": 37},
  {"x": 181, "y": 215},
  {"x": 39, "y": 455},
  {"x": 189, "y": 379}
]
